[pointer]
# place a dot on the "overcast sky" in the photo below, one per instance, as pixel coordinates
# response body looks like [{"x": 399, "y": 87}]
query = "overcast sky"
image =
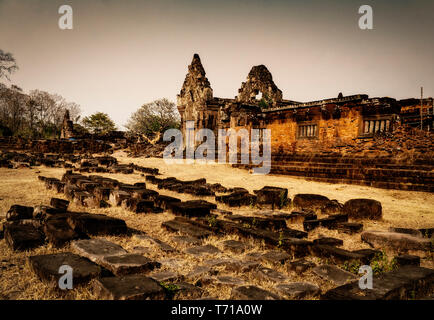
[{"x": 122, "y": 54}]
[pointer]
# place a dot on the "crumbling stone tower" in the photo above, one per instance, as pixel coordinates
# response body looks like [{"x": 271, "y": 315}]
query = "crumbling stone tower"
[
  {"x": 195, "y": 98},
  {"x": 67, "y": 127},
  {"x": 259, "y": 81}
]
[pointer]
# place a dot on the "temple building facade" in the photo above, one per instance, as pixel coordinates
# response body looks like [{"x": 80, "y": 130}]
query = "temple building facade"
[{"x": 260, "y": 104}]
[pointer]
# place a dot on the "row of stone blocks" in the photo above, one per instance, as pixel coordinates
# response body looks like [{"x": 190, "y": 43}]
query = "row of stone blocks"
[
  {"x": 412, "y": 180},
  {"x": 30, "y": 227}
]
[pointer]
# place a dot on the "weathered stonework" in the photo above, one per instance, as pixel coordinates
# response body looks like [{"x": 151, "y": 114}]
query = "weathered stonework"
[
  {"x": 67, "y": 127},
  {"x": 294, "y": 125}
]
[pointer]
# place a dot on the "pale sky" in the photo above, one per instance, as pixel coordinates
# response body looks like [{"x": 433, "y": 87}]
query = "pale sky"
[{"x": 122, "y": 54}]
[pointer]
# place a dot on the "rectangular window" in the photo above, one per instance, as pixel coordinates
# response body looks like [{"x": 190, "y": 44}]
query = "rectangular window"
[
  {"x": 307, "y": 131},
  {"x": 374, "y": 126}
]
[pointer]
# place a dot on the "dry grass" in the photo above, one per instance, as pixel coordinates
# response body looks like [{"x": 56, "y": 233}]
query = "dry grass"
[{"x": 400, "y": 208}]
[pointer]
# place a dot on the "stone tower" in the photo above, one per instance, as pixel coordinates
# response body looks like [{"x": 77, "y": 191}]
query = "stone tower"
[
  {"x": 259, "y": 80},
  {"x": 195, "y": 95},
  {"x": 67, "y": 127}
]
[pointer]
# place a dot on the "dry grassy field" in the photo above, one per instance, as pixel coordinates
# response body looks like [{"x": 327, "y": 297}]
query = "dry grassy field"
[{"x": 21, "y": 186}]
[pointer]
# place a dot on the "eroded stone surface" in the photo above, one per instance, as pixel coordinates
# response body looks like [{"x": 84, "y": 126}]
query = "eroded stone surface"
[
  {"x": 22, "y": 236},
  {"x": 252, "y": 293},
  {"x": 407, "y": 282},
  {"x": 46, "y": 267},
  {"x": 276, "y": 256},
  {"x": 166, "y": 276},
  {"x": 334, "y": 274},
  {"x": 298, "y": 290},
  {"x": 97, "y": 224},
  {"x": 186, "y": 240},
  {"x": 270, "y": 275},
  {"x": 96, "y": 249},
  {"x": 131, "y": 287},
  {"x": 397, "y": 241},
  {"x": 363, "y": 209},
  {"x": 202, "y": 250},
  {"x": 234, "y": 246},
  {"x": 300, "y": 266},
  {"x": 128, "y": 263}
]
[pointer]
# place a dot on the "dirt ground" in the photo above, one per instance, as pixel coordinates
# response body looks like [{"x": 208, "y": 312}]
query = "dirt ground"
[{"x": 400, "y": 209}]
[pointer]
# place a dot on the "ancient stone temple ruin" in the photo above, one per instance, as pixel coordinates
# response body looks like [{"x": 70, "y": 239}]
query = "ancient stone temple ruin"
[
  {"x": 259, "y": 104},
  {"x": 347, "y": 139},
  {"x": 67, "y": 127}
]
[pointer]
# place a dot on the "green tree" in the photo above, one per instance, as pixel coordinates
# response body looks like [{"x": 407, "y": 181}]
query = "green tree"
[
  {"x": 153, "y": 118},
  {"x": 99, "y": 123}
]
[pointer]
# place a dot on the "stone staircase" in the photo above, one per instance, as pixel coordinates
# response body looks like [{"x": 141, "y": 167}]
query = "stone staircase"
[{"x": 385, "y": 172}]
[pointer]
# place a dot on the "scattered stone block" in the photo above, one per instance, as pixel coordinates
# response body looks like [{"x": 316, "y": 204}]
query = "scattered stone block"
[
  {"x": 165, "y": 201},
  {"x": 17, "y": 212},
  {"x": 234, "y": 246},
  {"x": 166, "y": 276},
  {"x": 268, "y": 274},
  {"x": 407, "y": 282},
  {"x": 160, "y": 244},
  {"x": 310, "y": 201},
  {"x": 186, "y": 290},
  {"x": 82, "y": 197},
  {"x": 45, "y": 212},
  {"x": 102, "y": 193},
  {"x": 117, "y": 196},
  {"x": 407, "y": 260},
  {"x": 350, "y": 227},
  {"x": 228, "y": 263},
  {"x": 97, "y": 224},
  {"x": 131, "y": 287},
  {"x": 202, "y": 250},
  {"x": 59, "y": 203},
  {"x": 427, "y": 232},
  {"x": 186, "y": 240},
  {"x": 363, "y": 209},
  {"x": 96, "y": 249},
  {"x": 229, "y": 281},
  {"x": 193, "y": 208},
  {"x": 329, "y": 241},
  {"x": 138, "y": 206},
  {"x": 338, "y": 255},
  {"x": 58, "y": 232},
  {"x": 272, "y": 196},
  {"x": 368, "y": 254},
  {"x": 397, "y": 241},
  {"x": 237, "y": 199},
  {"x": 186, "y": 228},
  {"x": 259, "y": 222},
  {"x": 252, "y": 293},
  {"x": 298, "y": 290},
  {"x": 299, "y": 266},
  {"x": 276, "y": 257},
  {"x": 200, "y": 271},
  {"x": 128, "y": 263},
  {"x": 413, "y": 232},
  {"x": 334, "y": 274},
  {"x": 46, "y": 267},
  {"x": 332, "y": 207},
  {"x": 22, "y": 237}
]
